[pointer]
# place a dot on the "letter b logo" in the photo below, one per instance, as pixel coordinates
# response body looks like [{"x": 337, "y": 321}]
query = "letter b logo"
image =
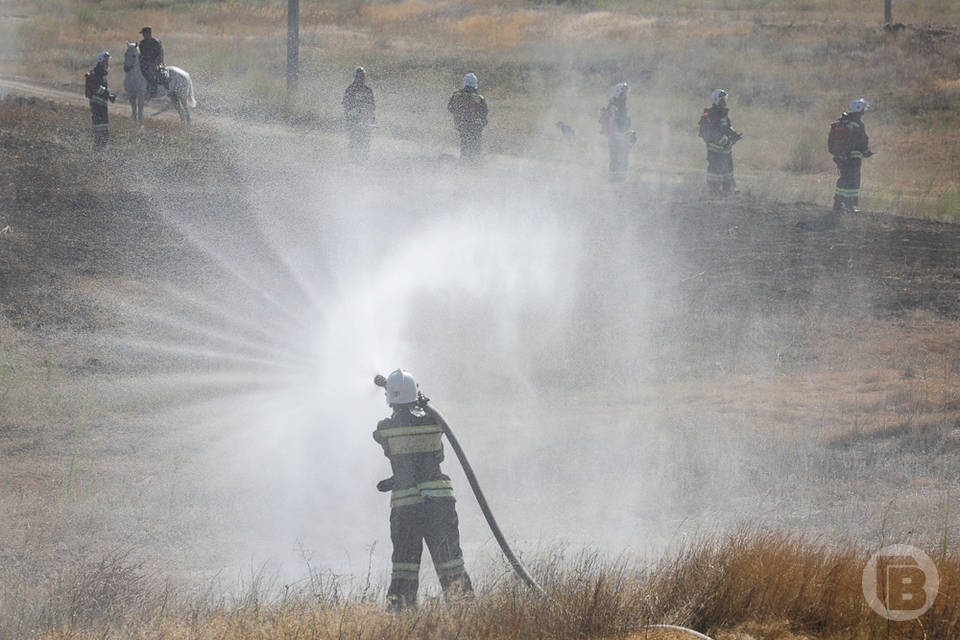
[{"x": 900, "y": 582}]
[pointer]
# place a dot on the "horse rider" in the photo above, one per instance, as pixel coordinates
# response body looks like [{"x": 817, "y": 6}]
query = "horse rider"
[
  {"x": 99, "y": 95},
  {"x": 151, "y": 60}
]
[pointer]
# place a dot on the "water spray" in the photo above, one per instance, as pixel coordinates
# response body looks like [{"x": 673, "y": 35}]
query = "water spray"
[{"x": 519, "y": 569}]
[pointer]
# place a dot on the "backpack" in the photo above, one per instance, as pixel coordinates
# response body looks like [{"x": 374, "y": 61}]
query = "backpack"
[
  {"x": 604, "y": 121},
  {"x": 466, "y": 108},
  {"x": 839, "y": 142},
  {"x": 88, "y": 84},
  {"x": 705, "y": 127}
]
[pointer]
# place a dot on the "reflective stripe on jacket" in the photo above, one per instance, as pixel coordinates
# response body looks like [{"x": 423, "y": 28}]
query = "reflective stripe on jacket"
[{"x": 413, "y": 442}]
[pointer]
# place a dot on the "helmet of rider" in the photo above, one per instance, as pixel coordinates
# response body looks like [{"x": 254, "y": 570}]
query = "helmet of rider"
[
  {"x": 103, "y": 55},
  {"x": 146, "y": 31},
  {"x": 470, "y": 80},
  {"x": 858, "y": 106},
  {"x": 401, "y": 388},
  {"x": 359, "y": 73},
  {"x": 621, "y": 89},
  {"x": 717, "y": 96}
]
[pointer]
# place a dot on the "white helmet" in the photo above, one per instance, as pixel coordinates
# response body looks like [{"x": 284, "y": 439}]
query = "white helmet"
[
  {"x": 401, "y": 388},
  {"x": 358, "y": 72},
  {"x": 858, "y": 106},
  {"x": 718, "y": 95},
  {"x": 103, "y": 55},
  {"x": 470, "y": 80},
  {"x": 620, "y": 89}
]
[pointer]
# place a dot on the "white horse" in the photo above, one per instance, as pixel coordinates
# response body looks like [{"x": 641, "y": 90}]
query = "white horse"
[{"x": 135, "y": 84}]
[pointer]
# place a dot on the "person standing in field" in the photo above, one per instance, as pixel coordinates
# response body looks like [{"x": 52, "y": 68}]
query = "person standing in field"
[
  {"x": 849, "y": 144},
  {"x": 151, "y": 60},
  {"x": 719, "y": 136},
  {"x": 615, "y": 124},
  {"x": 469, "y": 111},
  {"x": 422, "y": 506},
  {"x": 359, "y": 112},
  {"x": 99, "y": 96}
]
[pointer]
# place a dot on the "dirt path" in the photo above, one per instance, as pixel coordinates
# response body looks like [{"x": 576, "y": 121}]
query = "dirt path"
[{"x": 11, "y": 85}]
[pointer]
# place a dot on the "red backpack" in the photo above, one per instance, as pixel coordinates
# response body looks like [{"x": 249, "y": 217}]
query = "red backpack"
[
  {"x": 839, "y": 142},
  {"x": 88, "y": 84},
  {"x": 705, "y": 125}
]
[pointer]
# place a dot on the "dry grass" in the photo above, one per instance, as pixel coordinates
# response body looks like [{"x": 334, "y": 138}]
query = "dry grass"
[{"x": 749, "y": 585}]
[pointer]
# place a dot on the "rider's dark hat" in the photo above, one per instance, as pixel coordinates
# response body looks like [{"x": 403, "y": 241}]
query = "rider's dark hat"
[{"x": 145, "y": 29}]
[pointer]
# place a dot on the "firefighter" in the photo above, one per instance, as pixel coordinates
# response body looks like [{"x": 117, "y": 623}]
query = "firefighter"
[
  {"x": 719, "y": 135},
  {"x": 359, "y": 112},
  {"x": 422, "y": 506},
  {"x": 151, "y": 60},
  {"x": 619, "y": 134},
  {"x": 469, "y": 111},
  {"x": 849, "y": 156},
  {"x": 99, "y": 95}
]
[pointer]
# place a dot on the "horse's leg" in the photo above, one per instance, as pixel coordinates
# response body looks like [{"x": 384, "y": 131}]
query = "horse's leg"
[
  {"x": 140, "y": 110},
  {"x": 175, "y": 99}
]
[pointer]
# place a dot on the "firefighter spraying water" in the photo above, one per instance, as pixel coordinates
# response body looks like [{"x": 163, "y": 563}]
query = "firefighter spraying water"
[{"x": 421, "y": 502}]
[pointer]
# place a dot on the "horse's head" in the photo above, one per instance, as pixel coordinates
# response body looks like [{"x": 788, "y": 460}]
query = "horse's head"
[{"x": 130, "y": 56}]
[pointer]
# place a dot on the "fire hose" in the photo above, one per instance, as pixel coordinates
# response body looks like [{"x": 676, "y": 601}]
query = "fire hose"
[{"x": 424, "y": 403}]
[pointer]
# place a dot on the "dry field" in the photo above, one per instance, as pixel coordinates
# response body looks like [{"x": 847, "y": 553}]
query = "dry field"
[
  {"x": 790, "y": 67},
  {"x": 688, "y": 411}
]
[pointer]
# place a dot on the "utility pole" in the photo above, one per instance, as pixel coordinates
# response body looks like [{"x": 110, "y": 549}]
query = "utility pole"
[
  {"x": 887, "y": 11},
  {"x": 293, "y": 43}
]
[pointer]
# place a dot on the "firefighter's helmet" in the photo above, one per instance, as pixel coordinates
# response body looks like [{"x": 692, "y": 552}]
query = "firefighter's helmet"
[
  {"x": 401, "y": 388},
  {"x": 858, "y": 106},
  {"x": 621, "y": 89},
  {"x": 359, "y": 72},
  {"x": 718, "y": 95},
  {"x": 470, "y": 80}
]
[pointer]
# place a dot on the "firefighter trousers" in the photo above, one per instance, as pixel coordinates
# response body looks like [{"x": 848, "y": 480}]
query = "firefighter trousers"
[
  {"x": 101, "y": 132},
  {"x": 846, "y": 195},
  {"x": 619, "y": 156},
  {"x": 359, "y": 143},
  {"x": 720, "y": 171},
  {"x": 470, "y": 136},
  {"x": 433, "y": 521}
]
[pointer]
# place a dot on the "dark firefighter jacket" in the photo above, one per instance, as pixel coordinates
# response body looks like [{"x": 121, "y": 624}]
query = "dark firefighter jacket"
[
  {"x": 722, "y": 135},
  {"x": 413, "y": 445},
  {"x": 859, "y": 142},
  {"x": 151, "y": 52},
  {"x": 619, "y": 118},
  {"x": 98, "y": 80},
  {"x": 468, "y": 107},
  {"x": 358, "y": 105}
]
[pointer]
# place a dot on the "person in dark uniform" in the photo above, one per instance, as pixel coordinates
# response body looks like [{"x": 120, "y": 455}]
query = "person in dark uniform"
[
  {"x": 619, "y": 134},
  {"x": 151, "y": 60},
  {"x": 422, "y": 506},
  {"x": 469, "y": 110},
  {"x": 846, "y": 194},
  {"x": 359, "y": 111},
  {"x": 719, "y": 135},
  {"x": 99, "y": 97}
]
